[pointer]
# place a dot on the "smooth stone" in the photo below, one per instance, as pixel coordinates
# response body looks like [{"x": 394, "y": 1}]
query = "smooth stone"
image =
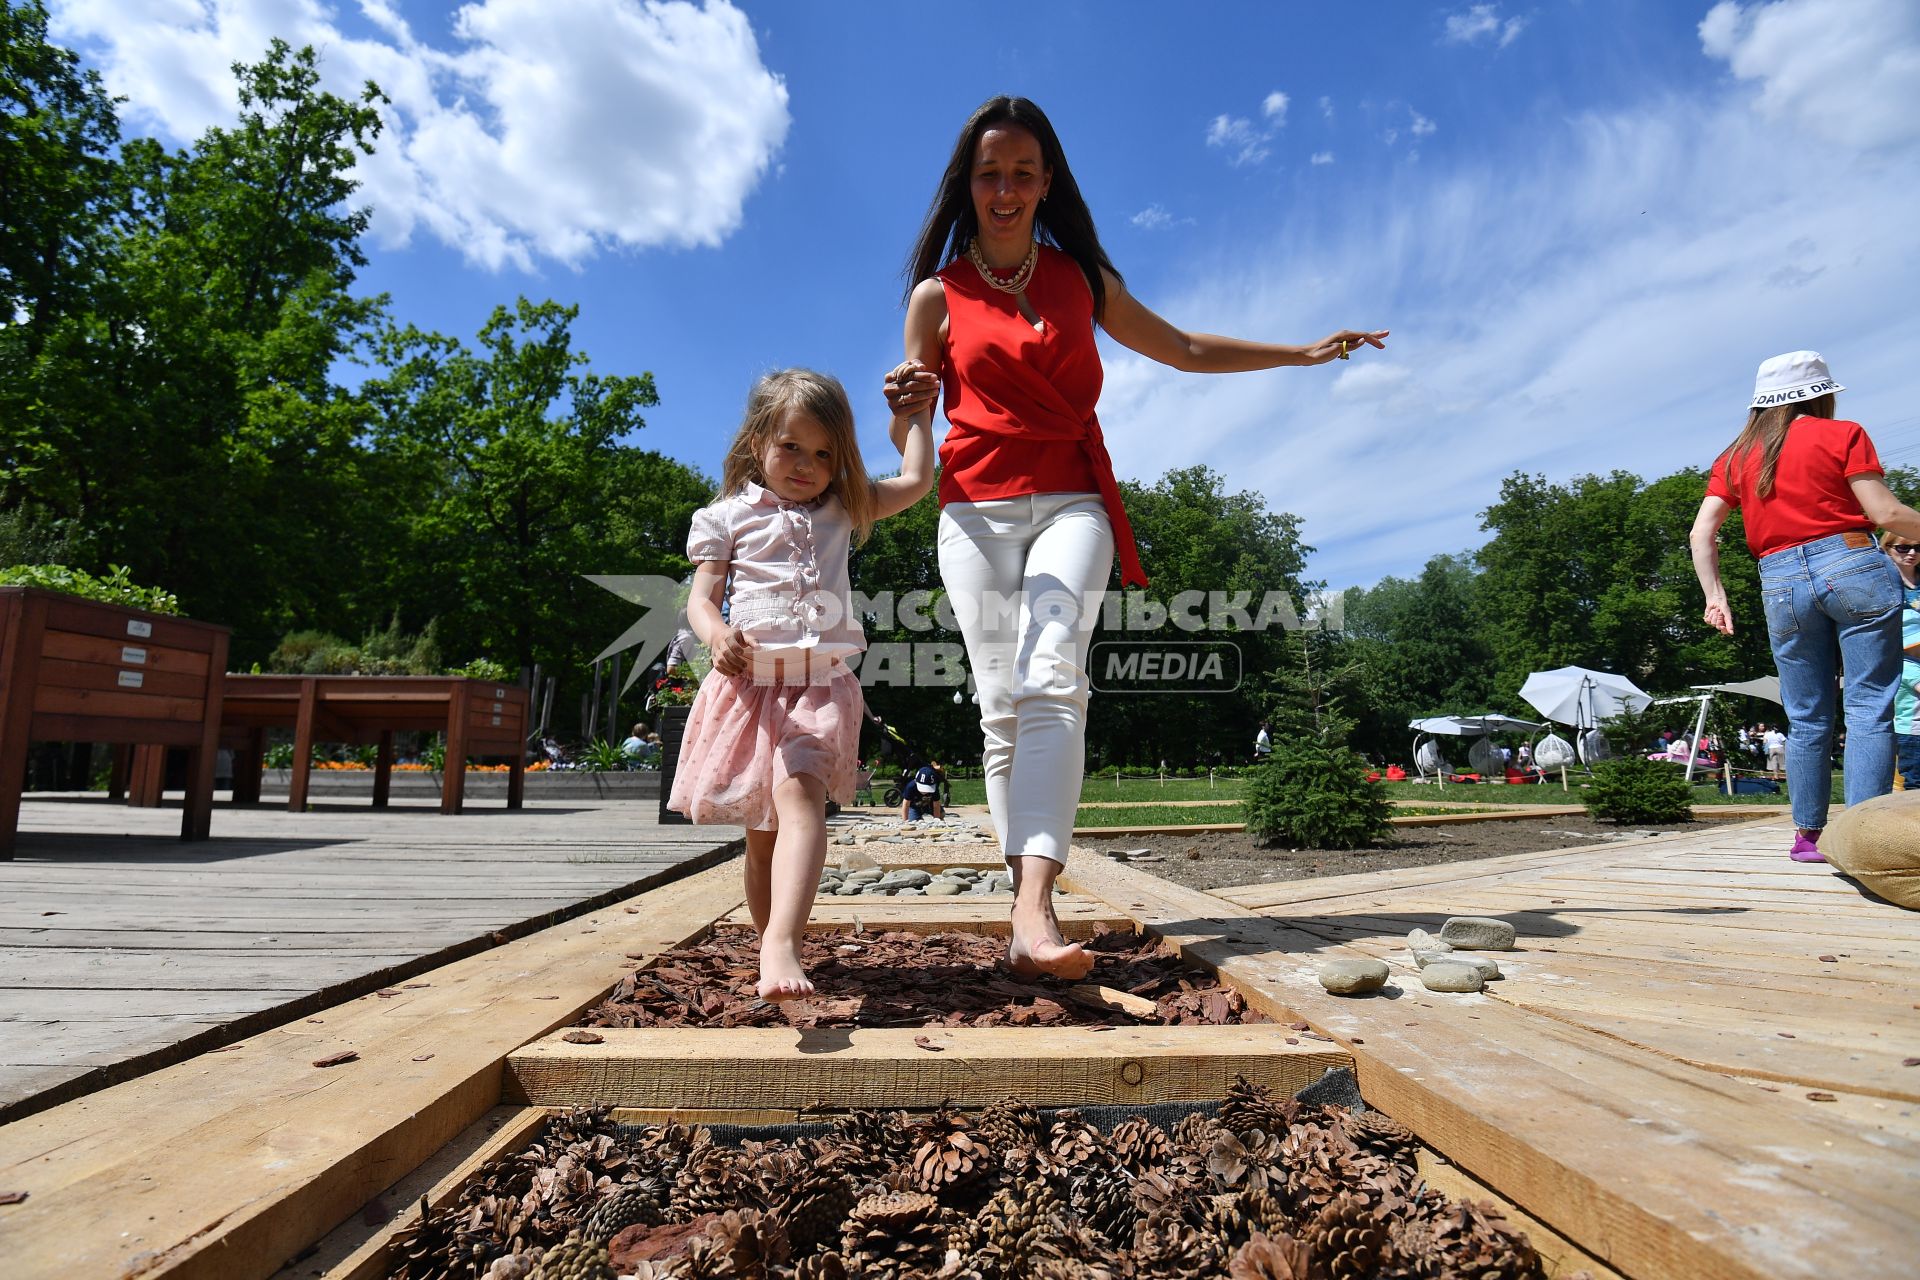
[
  {"x": 1423, "y": 957},
  {"x": 865, "y": 876},
  {"x": 874, "y": 890},
  {"x": 1478, "y": 933},
  {"x": 944, "y": 889},
  {"x": 907, "y": 878},
  {"x": 1421, "y": 940},
  {"x": 856, "y": 860},
  {"x": 1344, "y": 977},
  {"x": 962, "y": 873},
  {"x": 1451, "y": 975},
  {"x": 911, "y": 891},
  {"x": 846, "y": 891}
]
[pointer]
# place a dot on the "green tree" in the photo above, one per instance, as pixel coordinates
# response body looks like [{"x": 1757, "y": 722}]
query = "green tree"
[{"x": 1422, "y": 651}]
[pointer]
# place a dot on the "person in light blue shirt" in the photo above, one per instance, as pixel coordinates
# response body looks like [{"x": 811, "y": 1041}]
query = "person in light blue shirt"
[{"x": 1906, "y": 698}]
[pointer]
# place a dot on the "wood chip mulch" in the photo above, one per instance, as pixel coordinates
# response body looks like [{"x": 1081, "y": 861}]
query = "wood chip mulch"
[{"x": 917, "y": 980}]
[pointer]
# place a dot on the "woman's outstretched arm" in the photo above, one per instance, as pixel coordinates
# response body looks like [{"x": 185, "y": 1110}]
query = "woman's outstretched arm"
[{"x": 1134, "y": 326}]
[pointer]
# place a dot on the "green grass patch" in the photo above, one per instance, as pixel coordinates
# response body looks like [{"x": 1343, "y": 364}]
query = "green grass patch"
[{"x": 1156, "y": 815}]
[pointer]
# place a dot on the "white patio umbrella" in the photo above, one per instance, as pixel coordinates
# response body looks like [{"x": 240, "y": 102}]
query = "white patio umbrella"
[
  {"x": 1426, "y": 753},
  {"x": 1582, "y": 698}
]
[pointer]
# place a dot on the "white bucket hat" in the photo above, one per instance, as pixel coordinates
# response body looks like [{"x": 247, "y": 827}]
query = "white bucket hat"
[{"x": 1797, "y": 375}]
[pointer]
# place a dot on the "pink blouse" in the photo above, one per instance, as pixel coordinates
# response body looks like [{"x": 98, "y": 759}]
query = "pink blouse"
[{"x": 787, "y": 583}]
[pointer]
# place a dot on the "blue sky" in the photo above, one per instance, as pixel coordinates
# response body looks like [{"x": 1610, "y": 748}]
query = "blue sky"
[{"x": 1585, "y": 223}]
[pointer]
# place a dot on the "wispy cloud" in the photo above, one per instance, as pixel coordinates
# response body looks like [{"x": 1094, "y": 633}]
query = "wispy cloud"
[
  {"x": 1326, "y": 107},
  {"x": 1244, "y": 141},
  {"x": 1602, "y": 305},
  {"x": 515, "y": 142},
  {"x": 1482, "y": 24},
  {"x": 1847, "y": 72},
  {"x": 1321, "y": 157},
  {"x": 1421, "y": 126},
  {"x": 1156, "y": 218}
]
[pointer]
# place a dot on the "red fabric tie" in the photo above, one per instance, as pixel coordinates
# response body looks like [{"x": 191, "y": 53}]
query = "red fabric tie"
[{"x": 1131, "y": 574}]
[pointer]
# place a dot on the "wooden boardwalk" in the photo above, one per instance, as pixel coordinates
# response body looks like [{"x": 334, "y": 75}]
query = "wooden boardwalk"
[{"x": 122, "y": 948}]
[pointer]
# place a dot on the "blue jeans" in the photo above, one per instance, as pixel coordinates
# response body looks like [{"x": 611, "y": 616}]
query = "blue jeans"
[
  {"x": 1907, "y": 747},
  {"x": 1833, "y": 606}
]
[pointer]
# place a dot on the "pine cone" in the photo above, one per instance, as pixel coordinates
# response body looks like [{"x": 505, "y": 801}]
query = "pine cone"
[
  {"x": 635, "y": 1202},
  {"x": 1237, "y": 1218},
  {"x": 1167, "y": 1245},
  {"x": 1382, "y": 1135},
  {"x": 1262, "y": 1257},
  {"x": 710, "y": 1182},
  {"x": 891, "y": 1237},
  {"x": 575, "y": 1258},
  {"x": 1139, "y": 1145},
  {"x": 1076, "y": 1145},
  {"x": 427, "y": 1249},
  {"x": 1103, "y": 1201},
  {"x": 1013, "y": 1222},
  {"x": 1011, "y": 1123},
  {"x": 1195, "y": 1132},
  {"x": 822, "y": 1266},
  {"x": 819, "y": 1203},
  {"x": 1474, "y": 1238},
  {"x": 513, "y": 1266},
  {"x": 745, "y": 1245},
  {"x": 1244, "y": 1161},
  {"x": 1346, "y": 1240},
  {"x": 880, "y": 1138},
  {"x": 948, "y": 1155},
  {"x": 1252, "y": 1106}
]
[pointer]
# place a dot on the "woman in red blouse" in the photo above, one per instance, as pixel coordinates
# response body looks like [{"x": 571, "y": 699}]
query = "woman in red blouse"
[
  {"x": 1810, "y": 488},
  {"x": 1007, "y": 281}
]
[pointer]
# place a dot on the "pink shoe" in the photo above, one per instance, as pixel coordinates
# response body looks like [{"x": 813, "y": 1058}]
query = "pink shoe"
[{"x": 1804, "y": 850}]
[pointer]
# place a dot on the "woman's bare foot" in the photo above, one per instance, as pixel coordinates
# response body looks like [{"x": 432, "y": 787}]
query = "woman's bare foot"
[
  {"x": 1039, "y": 948},
  {"x": 781, "y": 974}
]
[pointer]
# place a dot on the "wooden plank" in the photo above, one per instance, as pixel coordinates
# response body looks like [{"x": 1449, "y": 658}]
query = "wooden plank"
[
  {"x": 62, "y": 727},
  {"x": 788, "y": 1068},
  {"x": 227, "y": 1165},
  {"x": 124, "y": 704},
  {"x": 356, "y": 1250},
  {"x": 130, "y": 626},
  {"x": 122, "y": 652},
  {"x": 62, "y": 674},
  {"x": 1564, "y": 1121}
]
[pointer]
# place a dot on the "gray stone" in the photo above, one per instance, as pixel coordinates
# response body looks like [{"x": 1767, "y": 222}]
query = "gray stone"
[
  {"x": 907, "y": 878},
  {"x": 1451, "y": 975},
  {"x": 875, "y": 890},
  {"x": 1484, "y": 965},
  {"x": 865, "y": 876},
  {"x": 963, "y": 873},
  {"x": 945, "y": 889},
  {"x": 846, "y": 891},
  {"x": 1477, "y": 933},
  {"x": 1350, "y": 977},
  {"x": 910, "y": 891},
  {"x": 857, "y": 861},
  {"x": 1421, "y": 940}
]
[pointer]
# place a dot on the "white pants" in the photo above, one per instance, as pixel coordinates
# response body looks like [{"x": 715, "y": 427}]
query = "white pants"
[{"x": 1025, "y": 576}]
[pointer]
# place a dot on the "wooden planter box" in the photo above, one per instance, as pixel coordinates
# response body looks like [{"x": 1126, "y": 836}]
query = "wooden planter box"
[
  {"x": 74, "y": 670},
  {"x": 479, "y": 717},
  {"x": 673, "y": 730}
]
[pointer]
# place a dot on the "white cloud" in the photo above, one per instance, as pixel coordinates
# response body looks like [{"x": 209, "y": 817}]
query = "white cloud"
[
  {"x": 1421, "y": 126},
  {"x": 1156, "y": 218},
  {"x": 1600, "y": 302},
  {"x": 1847, "y": 70},
  {"x": 538, "y": 131},
  {"x": 1274, "y": 108},
  {"x": 1482, "y": 22},
  {"x": 1236, "y": 135},
  {"x": 1322, "y": 157},
  {"x": 1326, "y": 107}
]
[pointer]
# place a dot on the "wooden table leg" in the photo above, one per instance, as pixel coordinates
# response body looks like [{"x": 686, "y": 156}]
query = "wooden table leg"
[
  {"x": 147, "y": 778},
  {"x": 302, "y": 747},
  {"x": 383, "y": 770},
  {"x": 196, "y": 821},
  {"x": 453, "y": 778},
  {"x": 27, "y": 622},
  {"x": 248, "y": 772}
]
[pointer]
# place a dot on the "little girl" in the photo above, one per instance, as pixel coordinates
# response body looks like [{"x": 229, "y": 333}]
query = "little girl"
[{"x": 775, "y": 730}]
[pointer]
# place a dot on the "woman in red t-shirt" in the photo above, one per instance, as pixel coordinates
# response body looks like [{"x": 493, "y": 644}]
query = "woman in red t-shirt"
[
  {"x": 1007, "y": 282},
  {"x": 1809, "y": 488}
]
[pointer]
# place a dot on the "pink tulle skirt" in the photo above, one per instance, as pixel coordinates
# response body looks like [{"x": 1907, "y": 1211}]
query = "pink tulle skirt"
[{"x": 745, "y": 738}]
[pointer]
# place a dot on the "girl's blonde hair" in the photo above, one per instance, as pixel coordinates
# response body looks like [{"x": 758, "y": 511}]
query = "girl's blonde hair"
[
  {"x": 821, "y": 397},
  {"x": 1765, "y": 432}
]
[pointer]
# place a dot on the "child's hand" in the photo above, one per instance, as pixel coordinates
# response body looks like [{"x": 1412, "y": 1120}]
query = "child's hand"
[
  {"x": 735, "y": 650},
  {"x": 910, "y": 386}
]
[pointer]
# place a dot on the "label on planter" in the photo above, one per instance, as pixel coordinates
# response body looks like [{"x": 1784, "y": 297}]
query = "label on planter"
[
  {"x": 496, "y": 722},
  {"x": 132, "y": 679},
  {"x": 498, "y": 706},
  {"x": 499, "y": 693},
  {"x": 135, "y": 627},
  {"x": 133, "y": 657}
]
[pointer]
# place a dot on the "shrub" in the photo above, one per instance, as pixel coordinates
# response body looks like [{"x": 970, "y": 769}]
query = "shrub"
[
  {"x": 1315, "y": 795},
  {"x": 115, "y": 588},
  {"x": 1633, "y": 788}
]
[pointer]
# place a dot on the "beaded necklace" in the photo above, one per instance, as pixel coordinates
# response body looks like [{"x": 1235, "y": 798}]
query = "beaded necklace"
[{"x": 1017, "y": 283}]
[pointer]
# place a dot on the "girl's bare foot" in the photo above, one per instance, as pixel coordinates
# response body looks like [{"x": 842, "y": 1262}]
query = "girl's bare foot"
[
  {"x": 781, "y": 974},
  {"x": 1038, "y": 947}
]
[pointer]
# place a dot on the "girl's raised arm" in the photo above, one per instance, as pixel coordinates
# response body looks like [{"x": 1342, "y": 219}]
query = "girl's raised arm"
[
  {"x": 1139, "y": 329},
  {"x": 918, "y": 377}
]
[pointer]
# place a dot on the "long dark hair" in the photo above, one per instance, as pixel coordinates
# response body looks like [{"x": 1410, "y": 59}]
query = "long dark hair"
[
  {"x": 1764, "y": 434},
  {"x": 1062, "y": 219}
]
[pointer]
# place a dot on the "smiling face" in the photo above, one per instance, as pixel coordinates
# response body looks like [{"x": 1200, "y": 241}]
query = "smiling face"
[
  {"x": 797, "y": 463},
  {"x": 1010, "y": 176}
]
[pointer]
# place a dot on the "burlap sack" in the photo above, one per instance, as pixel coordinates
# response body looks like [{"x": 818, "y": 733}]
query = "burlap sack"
[{"x": 1878, "y": 844}]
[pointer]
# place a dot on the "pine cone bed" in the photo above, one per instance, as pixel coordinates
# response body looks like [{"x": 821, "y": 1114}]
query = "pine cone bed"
[{"x": 1261, "y": 1189}]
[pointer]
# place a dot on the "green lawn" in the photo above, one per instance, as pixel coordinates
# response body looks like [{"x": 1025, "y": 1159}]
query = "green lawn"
[
  {"x": 1102, "y": 791},
  {"x": 1156, "y": 815}
]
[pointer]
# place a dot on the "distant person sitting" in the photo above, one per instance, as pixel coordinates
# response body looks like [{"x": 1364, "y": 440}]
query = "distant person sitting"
[
  {"x": 1262, "y": 743},
  {"x": 922, "y": 799},
  {"x": 636, "y": 744}
]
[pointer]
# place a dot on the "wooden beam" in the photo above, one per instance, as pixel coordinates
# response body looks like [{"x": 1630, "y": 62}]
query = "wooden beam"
[
  {"x": 782, "y": 1068},
  {"x": 1654, "y": 1166}
]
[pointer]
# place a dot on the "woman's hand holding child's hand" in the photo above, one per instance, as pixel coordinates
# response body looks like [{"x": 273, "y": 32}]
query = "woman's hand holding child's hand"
[
  {"x": 735, "y": 650},
  {"x": 911, "y": 386}
]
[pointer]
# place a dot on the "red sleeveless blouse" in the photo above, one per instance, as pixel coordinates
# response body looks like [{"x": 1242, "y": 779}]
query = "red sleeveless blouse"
[{"x": 1020, "y": 401}]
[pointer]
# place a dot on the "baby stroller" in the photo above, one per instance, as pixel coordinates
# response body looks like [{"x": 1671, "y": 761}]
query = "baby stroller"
[{"x": 905, "y": 758}]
